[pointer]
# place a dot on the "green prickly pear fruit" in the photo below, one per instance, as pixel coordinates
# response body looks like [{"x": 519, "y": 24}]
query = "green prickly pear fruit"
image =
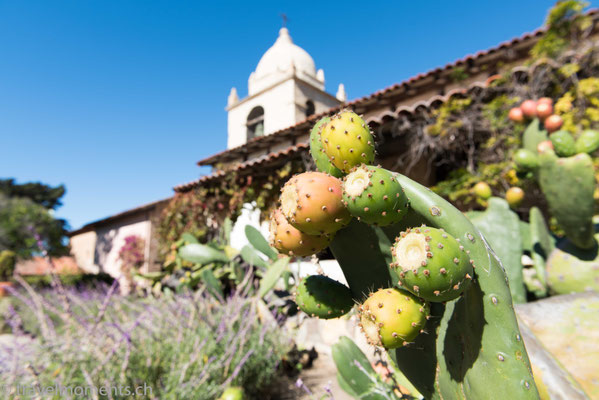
[
  {"x": 525, "y": 160},
  {"x": 291, "y": 241},
  {"x": 373, "y": 195},
  {"x": 482, "y": 190},
  {"x": 312, "y": 202},
  {"x": 563, "y": 143},
  {"x": 587, "y": 142},
  {"x": 317, "y": 151},
  {"x": 232, "y": 393},
  {"x": 514, "y": 196},
  {"x": 323, "y": 297},
  {"x": 347, "y": 141},
  {"x": 392, "y": 318},
  {"x": 571, "y": 269},
  {"x": 431, "y": 263}
]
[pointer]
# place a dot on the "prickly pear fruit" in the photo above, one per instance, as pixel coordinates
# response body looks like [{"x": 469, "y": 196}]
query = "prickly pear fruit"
[
  {"x": 563, "y": 143},
  {"x": 587, "y": 142},
  {"x": 525, "y": 160},
  {"x": 544, "y": 110},
  {"x": 347, "y": 140},
  {"x": 514, "y": 196},
  {"x": 291, "y": 241},
  {"x": 516, "y": 114},
  {"x": 553, "y": 123},
  {"x": 316, "y": 150},
  {"x": 545, "y": 100},
  {"x": 373, "y": 195},
  {"x": 323, "y": 297},
  {"x": 431, "y": 264},
  {"x": 232, "y": 393},
  {"x": 312, "y": 202},
  {"x": 545, "y": 146},
  {"x": 529, "y": 108},
  {"x": 571, "y": 269},
  {"x": 392, "y": 318},
  {"x": 482, "y": 190}
]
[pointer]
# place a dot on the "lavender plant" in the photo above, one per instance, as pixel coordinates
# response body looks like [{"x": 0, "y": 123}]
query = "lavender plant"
[{"x": 181, "y": 346}]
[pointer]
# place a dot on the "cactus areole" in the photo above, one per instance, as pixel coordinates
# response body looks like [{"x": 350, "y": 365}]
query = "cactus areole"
[{"x": 312, "y": 203}]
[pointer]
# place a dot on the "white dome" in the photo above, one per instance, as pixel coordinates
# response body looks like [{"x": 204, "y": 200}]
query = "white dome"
[{"x": 278, "y": 61}]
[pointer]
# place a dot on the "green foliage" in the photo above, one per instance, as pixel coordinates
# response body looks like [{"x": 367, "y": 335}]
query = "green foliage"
[
  {"x": 448, "y": 116},
  {"x": 44, "y": 195},
  {"x": 8, "y": 260}
]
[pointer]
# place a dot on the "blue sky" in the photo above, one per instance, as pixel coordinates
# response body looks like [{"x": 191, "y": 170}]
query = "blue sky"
[{"x": 119, "y": 99}]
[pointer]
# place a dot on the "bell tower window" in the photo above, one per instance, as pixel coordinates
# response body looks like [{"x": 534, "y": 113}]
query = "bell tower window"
[
  {"x": 255, "y": 123},
  {"x": 309, "y": 108}
]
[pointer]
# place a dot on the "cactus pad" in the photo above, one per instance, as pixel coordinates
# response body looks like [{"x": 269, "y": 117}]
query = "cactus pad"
[
  {"x": 563, "y": 143},
  {"x": 317, "y": 151},
  {"x": 290, "y": 241},
  {"x": 525, "y": 160},
  {"x": 587, "y": 142},
  {"x": 312, "y": 202},
  {"x": 572, "y": 270},
  {"x": 323, "y": 297},
  {"x": 373, "y": 195},
  {"x": 431, "y": 264},
  {"x": 347, "y": 141},
  {"x": 392, "y": 318}
]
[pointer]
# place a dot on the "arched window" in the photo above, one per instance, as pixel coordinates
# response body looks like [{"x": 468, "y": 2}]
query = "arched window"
[
  {"x": 309, "y": 108},
  {"x": 255, "y": 123}
]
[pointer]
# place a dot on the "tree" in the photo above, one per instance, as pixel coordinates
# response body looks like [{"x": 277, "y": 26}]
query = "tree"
[{"x": 27, "y": 225}]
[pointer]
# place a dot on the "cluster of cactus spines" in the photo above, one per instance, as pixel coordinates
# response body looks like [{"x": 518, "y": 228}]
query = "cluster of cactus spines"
[
  {"x": 291, "y": 241},
  {"x": 317, "y": 151},
  {"x": 431, "y": 264},
  {"x": 372, "y": 194},
  {"x": 392, "y": 318},
  {"x": 312, "y": 202},
  {"x": 323, "y": 297},
  {"x": 347, "y": 140}
]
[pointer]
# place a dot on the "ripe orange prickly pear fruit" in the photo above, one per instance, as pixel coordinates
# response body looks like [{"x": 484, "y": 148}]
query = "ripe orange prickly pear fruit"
[
  {"x": 431, "y": 264},
  {"x": 544, "y": 146},
  {"x": 545, "y": 100},
  {"x": 312, "y": 202},
  {"x": 553, "y": 123},
  {"x": 347, "y": 140},
  {"x": 544, "y": 110},
  {"x": 516, "y": 114},
  {"x": 391, "y": 317},
  {"x": 482, "y": 190},
  {"x": 288, "y": 240},
  {"x": 514, "y": 196},
  {"x": 529, "y": 108}
]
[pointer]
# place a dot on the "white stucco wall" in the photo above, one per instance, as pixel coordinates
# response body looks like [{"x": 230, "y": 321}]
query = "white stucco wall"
[{"x": 83, "y": 248}]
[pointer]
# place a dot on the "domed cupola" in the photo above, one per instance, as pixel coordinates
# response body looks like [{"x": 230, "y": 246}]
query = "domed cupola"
[{"x": 282, "y": 60}]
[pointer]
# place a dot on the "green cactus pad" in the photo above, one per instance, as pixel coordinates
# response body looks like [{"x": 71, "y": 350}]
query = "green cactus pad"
[
  {"x": 373, "y": 195},
  {"x": 587, "y": 142},
  {"x": 392, "y": 318},
  {"x": 431, "y": 264},
  {"x": 563, "y": 143},
  {"x": 572, "y": 270},
  {"x": 323, "y": 297},
  {"x": 347, "y": 141},
  {"x": 534, "y": 134},
  {"x": 568, "y": 185},
  {"x": 312, "y": 202},
  {"x": 526, "y": 160},
  {"x": 317, "y": 151}
]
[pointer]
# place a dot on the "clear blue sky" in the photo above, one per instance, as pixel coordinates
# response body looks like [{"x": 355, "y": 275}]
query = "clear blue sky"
[{"x": 119, "y": 99}]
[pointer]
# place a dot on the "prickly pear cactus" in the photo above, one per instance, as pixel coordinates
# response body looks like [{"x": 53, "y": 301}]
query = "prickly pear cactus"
[
  {"x": 431, "y": 264},
  {"x": 568, "y": 184},
  {"x": 347, "y": 141},
  {"x": 571, "y": 269},
  {"x": 587, "y": 142},
  {"x": 534, "y": 134},
  {"x": 323, "y": 297},
  {"x": 291, "y": 241},
  {"x": 563, "y": 143},
  {"x": 372, "y": 195},
  {"x": 317, "y": 151}
]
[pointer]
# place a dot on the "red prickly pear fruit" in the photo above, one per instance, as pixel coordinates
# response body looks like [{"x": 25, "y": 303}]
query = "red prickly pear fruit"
[
  {"x": 514, "y": 196},
  {"x": 544, "y": 110},
  {"x": 312, "y": 202},
  {"x": 529, "y": 108},
  {"x": 374, "y": 195},
  {"x": 553, "y": 123},
  {"x": 290, "y": 241},
  {"x": 391, "y": 317},
  {"x": 482, "y": 190},
  {"x": 431, "y": 264},
  {"x": 544, "y": 146},
  {"x": 516, "y": 114},
  {"x": 545, "y": 100},
  {"x": 347, "y": 141}
]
